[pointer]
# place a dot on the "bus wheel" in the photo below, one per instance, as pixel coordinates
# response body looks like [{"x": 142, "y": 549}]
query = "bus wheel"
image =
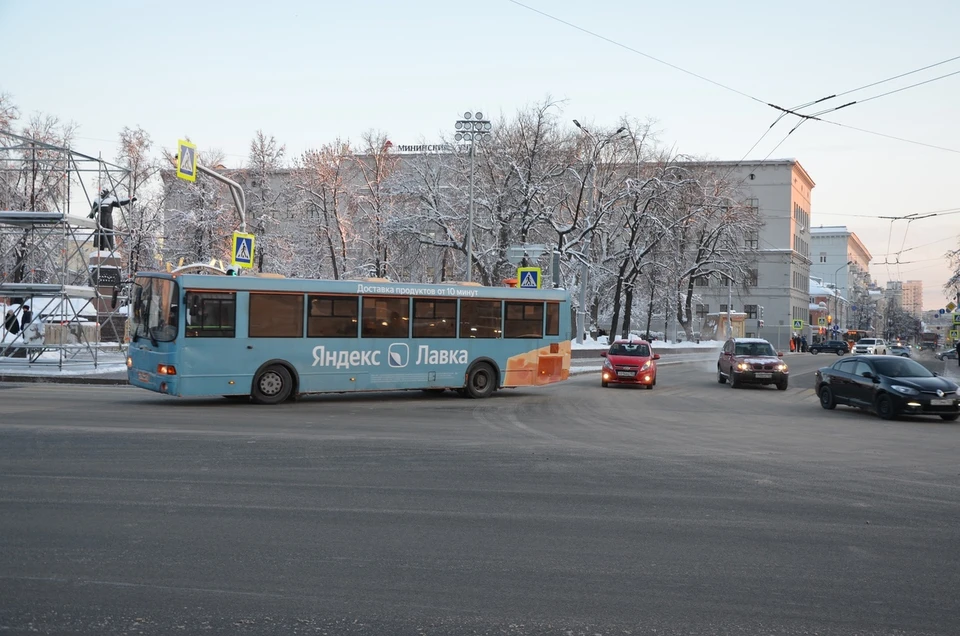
[
  {"x": 481, "y": 381},
  {"x": 273, "y": 385}
]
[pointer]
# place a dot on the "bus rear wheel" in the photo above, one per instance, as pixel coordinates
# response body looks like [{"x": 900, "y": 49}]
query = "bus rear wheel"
[
  {"x": 481, "y": 381},
  {"x": 272, "y": 385}
]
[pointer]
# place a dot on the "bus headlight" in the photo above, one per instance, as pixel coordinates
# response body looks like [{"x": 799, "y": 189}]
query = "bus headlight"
[{"x": 129, "y": 362}]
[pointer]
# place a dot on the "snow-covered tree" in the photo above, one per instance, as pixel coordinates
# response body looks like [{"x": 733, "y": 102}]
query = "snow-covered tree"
[
  {"x": 144, "y": 220},
  {"x": 267, "y": 200}
]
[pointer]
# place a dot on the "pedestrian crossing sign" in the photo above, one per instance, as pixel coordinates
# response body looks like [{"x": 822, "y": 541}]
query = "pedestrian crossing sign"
[
  {"x": 822, "y": 322},
  {"x": 954, "y": 335},
  {"x": 242, "y": 253},
  {"x": 186, "y": 160},
  {"x": 798, "y": 324},
  {"x": 529, "y": 277},
  {"x": 956, "y": 319}
]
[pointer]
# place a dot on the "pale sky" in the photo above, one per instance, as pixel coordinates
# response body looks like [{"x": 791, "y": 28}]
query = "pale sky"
[{"x": 308, "y": 72}]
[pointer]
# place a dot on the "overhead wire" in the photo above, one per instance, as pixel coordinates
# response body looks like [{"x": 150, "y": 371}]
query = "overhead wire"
[{"x": 637, "y": 51}]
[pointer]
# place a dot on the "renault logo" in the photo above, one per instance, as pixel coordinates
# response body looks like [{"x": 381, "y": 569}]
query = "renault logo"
[{"x": 939, "y": 393}]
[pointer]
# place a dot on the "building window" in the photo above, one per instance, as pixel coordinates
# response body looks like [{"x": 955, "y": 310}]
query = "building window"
[
  {"x": 386, "y": 317},
  {"x": 702, "y": 280},
  {"x": 702, "y": 310},
  {"x": 752, "y": 240},
  {"x": 211, "y": 315},
  {"x": 434, "y": 318},
  {"x": 333, "y": 317},
  {"x": 823, "y": 257},
  {"x": 723, "y": 309},
  {"x": 751, "y": 311},
  {"x": 752, "y": 277},
  {"x": 276, "y": 315}
]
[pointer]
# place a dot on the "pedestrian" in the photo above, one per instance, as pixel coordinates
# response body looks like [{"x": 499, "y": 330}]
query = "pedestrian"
[
  {"x": 958, "y": 352},
  {"x": 803, "y": 344},
  {"x": 10, "y": 322},
  {"x": 27, "y": 316}
]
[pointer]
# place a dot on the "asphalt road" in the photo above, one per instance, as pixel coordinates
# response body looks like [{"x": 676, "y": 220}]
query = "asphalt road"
[{"x": 690, "y": 509}]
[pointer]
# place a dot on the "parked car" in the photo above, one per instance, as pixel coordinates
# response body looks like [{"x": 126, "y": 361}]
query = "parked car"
[
  {"x": 629, "y": 362},
  {"x": 870, "y": 346},
  {"x": 899, "y": 350},
  {"x": 751, "y": 361},
  {"x": 838, "y": 347},
  {"x": 946, "y": 354},
  {"x": 889, "y": 386}
]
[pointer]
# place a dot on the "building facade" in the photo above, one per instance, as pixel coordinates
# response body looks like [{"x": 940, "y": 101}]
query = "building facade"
[
  {"x": 778, "y": 291},
  {"x": 913, "y": 297},
  {"x": 842, "y": 262}
]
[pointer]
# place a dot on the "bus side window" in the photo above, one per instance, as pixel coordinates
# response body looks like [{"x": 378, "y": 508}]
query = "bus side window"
[
  {"x": 211, "y": 314},
  {"x": 276, "y": 315},
  {"x": 332, "y": 317},
  {"x": 553, "y": 319},
  {"x": 480, "y": 319},
  {"x": 386, "y": 317},
  {"x": 524, "y": 320},
  {"x": 434, "y": 318}
]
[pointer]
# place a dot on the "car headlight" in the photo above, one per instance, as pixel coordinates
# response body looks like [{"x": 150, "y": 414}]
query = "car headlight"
[
  {"x": 957, "y": 391},
  {"x": 742, "y": 366},
  {"x": 607, "y": 364},
  {"x": 781, "y": 367},
  {"x": 646, "y": 365},
  {"x": 904, "y": 390}
]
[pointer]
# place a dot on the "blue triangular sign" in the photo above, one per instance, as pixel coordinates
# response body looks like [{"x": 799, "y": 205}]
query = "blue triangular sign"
[
  {"x": 529, "y": 280},
  {"x": 243, "y": 251}
]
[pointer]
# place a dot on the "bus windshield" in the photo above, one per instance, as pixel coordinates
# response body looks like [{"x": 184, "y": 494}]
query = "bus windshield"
[{"x": 154, "y": 311}]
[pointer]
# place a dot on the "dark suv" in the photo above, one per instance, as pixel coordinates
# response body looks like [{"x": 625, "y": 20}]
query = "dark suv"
[
  {"x": 838, "y": 347},
  {"x": 751, "y": 361}
]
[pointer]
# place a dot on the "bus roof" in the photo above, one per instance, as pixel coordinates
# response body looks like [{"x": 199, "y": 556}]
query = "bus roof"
[{"x": 370, "y": 288}]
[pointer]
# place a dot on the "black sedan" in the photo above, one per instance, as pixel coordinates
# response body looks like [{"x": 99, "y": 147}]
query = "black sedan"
[
  {"x": 838, "y": 347},
  {"x": 946, "y": 354},
  {"x": 888, "y": 385}
]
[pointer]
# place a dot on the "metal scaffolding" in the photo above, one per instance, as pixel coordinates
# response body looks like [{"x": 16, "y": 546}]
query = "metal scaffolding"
[{"x": 50, "y": 259}]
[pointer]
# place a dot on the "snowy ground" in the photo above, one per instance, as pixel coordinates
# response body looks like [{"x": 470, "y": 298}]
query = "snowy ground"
[{"x": 49, "y": 364}]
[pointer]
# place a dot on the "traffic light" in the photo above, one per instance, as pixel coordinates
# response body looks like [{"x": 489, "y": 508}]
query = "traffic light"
[
  {"x": 761, "y": 313},
  {"x": 829, "y": 320},
  {"x": 761, "y": 324},
  {"x": 231, "y": 272}
]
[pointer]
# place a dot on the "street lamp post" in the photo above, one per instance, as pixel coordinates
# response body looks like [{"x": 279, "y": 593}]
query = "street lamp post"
[
  {"x": 836, "y": 293},
  {"x": 584, "y": 267},
  {"x": 473, "y": 128}
]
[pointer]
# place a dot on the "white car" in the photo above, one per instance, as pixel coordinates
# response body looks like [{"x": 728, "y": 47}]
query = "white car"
[{"x": 870, "y": 346}]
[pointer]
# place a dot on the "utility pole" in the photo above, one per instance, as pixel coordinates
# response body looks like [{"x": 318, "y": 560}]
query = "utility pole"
[
  {"x": 473, "y": 128},
  {"x": 585, "y": 267}
]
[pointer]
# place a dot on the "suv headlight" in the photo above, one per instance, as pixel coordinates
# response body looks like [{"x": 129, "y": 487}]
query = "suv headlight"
[
  {"x": 781, "y": 367},
  {"x": 742, "y": 366},
  {"x": 958, "y": 391},
  {"x": 904, "y": 390}
]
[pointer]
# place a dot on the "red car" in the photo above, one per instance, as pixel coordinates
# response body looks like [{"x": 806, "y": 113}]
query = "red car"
[{"x": 630, "y": 362}]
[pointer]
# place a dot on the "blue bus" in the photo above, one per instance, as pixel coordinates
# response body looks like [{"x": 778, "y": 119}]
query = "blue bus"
[{"x": 273, "y": 338}]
